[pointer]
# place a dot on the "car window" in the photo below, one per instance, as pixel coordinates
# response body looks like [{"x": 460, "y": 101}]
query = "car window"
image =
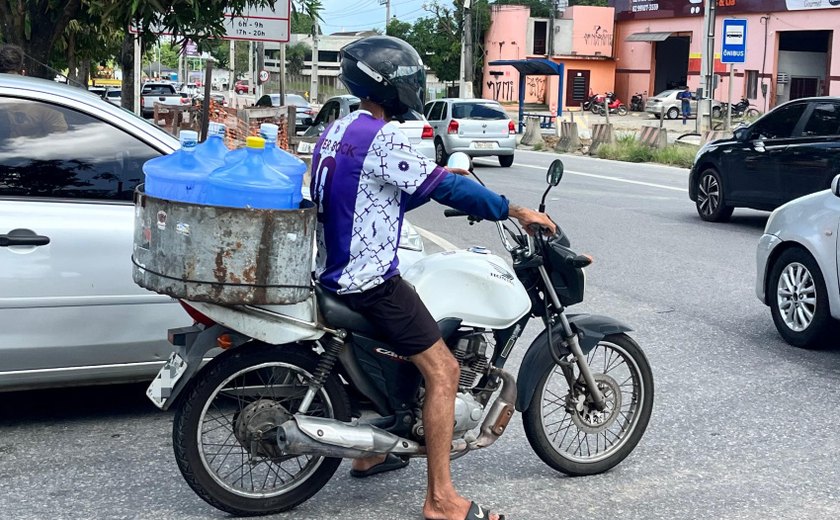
[
  {"x": 58, "y": 152},
  {"x": 482, "y": 111},
  {"x": 294, "y": 99},
  {"x": 824, "y": 120},
  {"x": 780, "y": 123},
  {"x": 328, "y": 113},
  {"x": 411, "y": 115},
  {"x": 427, "y": 110},
  {"x": 436, "y": 113},
  {"x": 114, "y": 93},
  {"x": 158, "y": 90}
]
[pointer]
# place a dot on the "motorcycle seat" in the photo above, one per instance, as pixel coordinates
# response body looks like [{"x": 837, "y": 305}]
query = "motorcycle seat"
[{"x": 337, "y": 314}]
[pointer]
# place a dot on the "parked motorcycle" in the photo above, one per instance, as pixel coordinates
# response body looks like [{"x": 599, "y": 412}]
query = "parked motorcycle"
[
  {"x": 264, "y": 425},
  {"x": 741, "y": 109},
  {"x": 614, "y": 104},
  {"x": 637, "y": 102},
  {"x": 592, "y": 101}
]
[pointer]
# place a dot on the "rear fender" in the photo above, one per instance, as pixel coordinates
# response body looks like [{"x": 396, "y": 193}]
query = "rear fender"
[{"x": 591, "y": 328}]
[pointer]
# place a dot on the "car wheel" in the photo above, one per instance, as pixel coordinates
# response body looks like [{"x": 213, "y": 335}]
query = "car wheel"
[
  {"x": 798, "y": 300},
  {"x": 673, "y": 113},
  {"x": 440, "y": 153},
  {"x": 710, "y": 200},
  {"x": 506, "y": 161}
]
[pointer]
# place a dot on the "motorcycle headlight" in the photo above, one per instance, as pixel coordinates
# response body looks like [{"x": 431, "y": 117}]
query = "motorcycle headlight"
[{"x": 409, "y": 238}]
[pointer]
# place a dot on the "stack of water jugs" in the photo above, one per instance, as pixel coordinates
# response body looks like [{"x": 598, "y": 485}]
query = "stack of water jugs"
[{"x": 259, "y": 176}]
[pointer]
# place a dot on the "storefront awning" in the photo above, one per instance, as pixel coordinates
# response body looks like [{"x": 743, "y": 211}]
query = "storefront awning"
[
  {"x": 648, "y": 37},
  {"x": 532, "y": 67}
]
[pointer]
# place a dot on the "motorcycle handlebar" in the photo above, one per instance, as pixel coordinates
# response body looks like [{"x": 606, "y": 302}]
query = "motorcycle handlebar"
[{"x": 453, "y": 213}]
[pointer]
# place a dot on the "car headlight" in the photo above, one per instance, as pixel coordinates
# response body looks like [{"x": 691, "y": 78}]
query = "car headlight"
[{"x": 409, "y": 237}]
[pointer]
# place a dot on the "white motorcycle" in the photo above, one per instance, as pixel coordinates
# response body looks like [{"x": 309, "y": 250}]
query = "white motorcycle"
[{"x": 264, "y": 425}]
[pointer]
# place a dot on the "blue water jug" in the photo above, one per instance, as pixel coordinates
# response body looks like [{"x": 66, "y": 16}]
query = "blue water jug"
[
  {"x": 249, "y": 183},
  {"x": 282, "y": 160},
  {"x": 178, "y": 176},
  {"x": 213, "y": 150}
]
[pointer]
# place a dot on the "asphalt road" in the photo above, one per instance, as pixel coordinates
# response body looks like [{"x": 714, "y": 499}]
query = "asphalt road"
[{"x": 744, "y": 426}]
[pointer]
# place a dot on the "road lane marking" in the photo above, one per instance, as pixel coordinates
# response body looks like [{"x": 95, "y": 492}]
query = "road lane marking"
[
  {"x": 672, "y": 169},
  {"x": 605, "y": 177},
  {"x": 440, "y": 241}
]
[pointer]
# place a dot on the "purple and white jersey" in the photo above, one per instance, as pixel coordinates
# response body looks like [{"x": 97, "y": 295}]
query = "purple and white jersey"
[{"x": 363, "y": 173}]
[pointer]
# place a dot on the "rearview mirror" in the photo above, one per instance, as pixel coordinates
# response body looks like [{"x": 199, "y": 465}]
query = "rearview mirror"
[
  {"x": 742, "y": 134},
  {"x": 459, "y": 160},
  {"x": 835, "y": 186},
  {"x": 555, "y": 173}
]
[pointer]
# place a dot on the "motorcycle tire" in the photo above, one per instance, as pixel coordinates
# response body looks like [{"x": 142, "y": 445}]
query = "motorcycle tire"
[
  {"x": 622, "y": 110},
  {"x": 537, "y": 422},
  {"x": 753, "y": 112},
  {"x": 595, "y": 108},
  {"x": 191, "y": 450}
]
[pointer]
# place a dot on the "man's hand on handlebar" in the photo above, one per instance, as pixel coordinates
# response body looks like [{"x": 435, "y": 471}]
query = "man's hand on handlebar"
[{"x": 531, "y": 220}]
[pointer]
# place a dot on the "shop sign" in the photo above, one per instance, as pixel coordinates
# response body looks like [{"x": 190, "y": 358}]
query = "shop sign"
[{"x": 646, "y": 9}]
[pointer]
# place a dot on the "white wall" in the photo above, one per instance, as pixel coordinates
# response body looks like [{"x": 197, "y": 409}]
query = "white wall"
[{"x": 801, "y": 64}]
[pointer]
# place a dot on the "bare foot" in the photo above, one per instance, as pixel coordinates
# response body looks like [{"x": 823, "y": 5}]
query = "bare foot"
[
  {"x": 453, "y": 508},
  {"x": 368, "y": 462}
]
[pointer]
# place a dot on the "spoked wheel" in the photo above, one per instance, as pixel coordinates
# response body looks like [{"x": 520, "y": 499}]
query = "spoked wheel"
[
  {"x": 224, "y": 433},
  {"x": 566, "y": 430},
  {"x": 710, "y": 202}
]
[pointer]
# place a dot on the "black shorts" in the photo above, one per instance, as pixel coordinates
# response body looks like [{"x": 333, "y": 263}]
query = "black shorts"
[{"x": 397, "y": 310}]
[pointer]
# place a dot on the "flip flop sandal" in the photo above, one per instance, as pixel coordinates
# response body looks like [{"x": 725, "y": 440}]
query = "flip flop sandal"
[
  {"x": 390, "y": 463},
  {"x": 476, "y": 512}
]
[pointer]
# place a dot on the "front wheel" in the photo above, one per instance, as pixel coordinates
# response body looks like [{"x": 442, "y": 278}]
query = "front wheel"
[
  {"x": 224, "y": 432},
  {"x": 711, "y": 205},
  {"x": 566, "y": 430},
  {"x": 753, "y": 112},
  {"x": 622, "y": 110},
  {"x": 440, "y": 153}
]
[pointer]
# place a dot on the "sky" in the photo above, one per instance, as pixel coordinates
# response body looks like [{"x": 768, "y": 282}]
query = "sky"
[{"x": 358, "y": 15}]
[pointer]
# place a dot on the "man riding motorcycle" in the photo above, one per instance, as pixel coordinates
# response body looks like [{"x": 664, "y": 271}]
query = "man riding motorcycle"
[{"x": 365, "y": 176}]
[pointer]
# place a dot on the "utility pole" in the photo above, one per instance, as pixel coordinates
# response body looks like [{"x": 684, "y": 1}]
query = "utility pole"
[
  {"x": 313, "y": 88},
  {"x": 282, "y": 74},
  {"x": 260, "y": 66},
  {"x": 232, "y": 64},
  {"x": 551, "y": 14},
  {"x": 252, "y": 83},
  {"x": 707, "y": 65},
  {"x": 387, "y": 4},
  {"x": 466, "y": 76}
]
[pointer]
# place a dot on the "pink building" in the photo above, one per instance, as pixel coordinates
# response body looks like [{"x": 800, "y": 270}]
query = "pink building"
[
  {"x": 581, "y": 38},
  {"x": 792, "y": 51}
]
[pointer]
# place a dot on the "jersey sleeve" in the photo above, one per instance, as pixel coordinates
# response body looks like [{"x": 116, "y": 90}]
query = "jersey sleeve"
[{"x": 392, "y": 160}]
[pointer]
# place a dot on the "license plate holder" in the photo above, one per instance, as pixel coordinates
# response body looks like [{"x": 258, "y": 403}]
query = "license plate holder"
[{"x": 164, "y": 382}]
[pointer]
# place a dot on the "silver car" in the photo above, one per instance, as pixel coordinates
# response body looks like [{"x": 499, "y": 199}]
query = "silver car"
[
  {"x": 415, "y": 127},
  {"x": 667, "y": 103},
  {"x": 477, "y": 127},
  {"x": 798, "y": 260},
  {"x": 69, "y": 311}
]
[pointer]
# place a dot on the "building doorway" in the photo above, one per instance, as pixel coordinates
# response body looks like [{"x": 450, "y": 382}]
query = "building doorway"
[
  {"x": 577, "y": 87},
  {"x": 803, "y": 64},
  {"x": 671, "y": 63}
]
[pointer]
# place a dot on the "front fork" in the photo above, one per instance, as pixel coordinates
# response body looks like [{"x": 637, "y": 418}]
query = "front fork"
[{"x": 570, "y": 340}]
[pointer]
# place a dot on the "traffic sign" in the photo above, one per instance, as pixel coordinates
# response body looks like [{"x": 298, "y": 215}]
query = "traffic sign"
[
  {"x": 263, "y": 76},
  {"x": 734, "y": 41}
]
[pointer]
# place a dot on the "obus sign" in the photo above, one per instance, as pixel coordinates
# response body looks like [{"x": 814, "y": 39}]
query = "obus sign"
[{"x": 734, "y": 41}]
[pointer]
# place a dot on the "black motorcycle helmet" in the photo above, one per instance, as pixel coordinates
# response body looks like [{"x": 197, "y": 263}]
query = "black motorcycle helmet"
[{"x": 387, "y": 71}]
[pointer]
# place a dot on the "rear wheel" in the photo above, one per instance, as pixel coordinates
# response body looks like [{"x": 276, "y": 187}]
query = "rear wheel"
[
  {"x": 710, "y": 201},
  {"x": 753, "y": 112},
  {"x": 440, "y": 153},
  {"x": 798, "y": 300},
  {"x": 224, "y": 432},
  {"x": 506, "y": 161},
  {"x": 622, "y": 110},
  {"x": 565, "y": 429}
]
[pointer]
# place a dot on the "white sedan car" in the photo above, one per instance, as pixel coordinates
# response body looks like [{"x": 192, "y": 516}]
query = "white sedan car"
[
  {"x": 798, "y": 263},
  {"x": 70, "y": 313}
]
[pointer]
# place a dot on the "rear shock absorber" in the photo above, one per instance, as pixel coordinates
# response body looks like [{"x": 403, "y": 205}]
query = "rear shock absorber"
[{"x": 332, "y": 348}]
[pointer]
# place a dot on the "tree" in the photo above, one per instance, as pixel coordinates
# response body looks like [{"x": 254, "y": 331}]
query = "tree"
[{"x": 296, "y": 56}]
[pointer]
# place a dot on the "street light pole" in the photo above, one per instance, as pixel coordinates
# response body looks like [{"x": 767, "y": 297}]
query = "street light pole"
[
  {"x": 465, "y": 76},
  {"x": 707, "y": 65}
]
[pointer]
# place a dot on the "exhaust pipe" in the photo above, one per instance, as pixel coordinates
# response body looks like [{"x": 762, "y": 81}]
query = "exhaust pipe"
[
  {"x": 304, "y": 435},
  {"x": 500, "y": 414}
]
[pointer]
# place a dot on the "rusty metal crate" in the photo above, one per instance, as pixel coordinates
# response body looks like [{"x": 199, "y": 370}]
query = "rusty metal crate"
[{"x": 231, "y": 256}]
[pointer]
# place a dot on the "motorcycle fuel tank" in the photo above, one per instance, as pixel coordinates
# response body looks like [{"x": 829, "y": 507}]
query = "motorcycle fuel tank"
[{"x": 473, "y": 285}]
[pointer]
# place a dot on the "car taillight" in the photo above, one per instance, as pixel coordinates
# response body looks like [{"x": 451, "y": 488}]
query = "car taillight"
[
  {"x": 511, "y": 127},
  {"x": 197, "y": 316},
  {"x": 428, "y": 132},
  {"x": 452, "y": 128},
  {"x": 142, "y": 100}
]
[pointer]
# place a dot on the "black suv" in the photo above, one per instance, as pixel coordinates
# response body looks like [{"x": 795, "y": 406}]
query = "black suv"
[{"x": 791, "y": 151}]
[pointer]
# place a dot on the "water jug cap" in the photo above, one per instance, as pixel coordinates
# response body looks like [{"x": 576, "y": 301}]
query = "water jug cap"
[
  {"x": 269, "y": 131},
  {"x": 216, "y": 129},
  {"x": 255, "y": 142},
  {"x": 189, "y": 139}
]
